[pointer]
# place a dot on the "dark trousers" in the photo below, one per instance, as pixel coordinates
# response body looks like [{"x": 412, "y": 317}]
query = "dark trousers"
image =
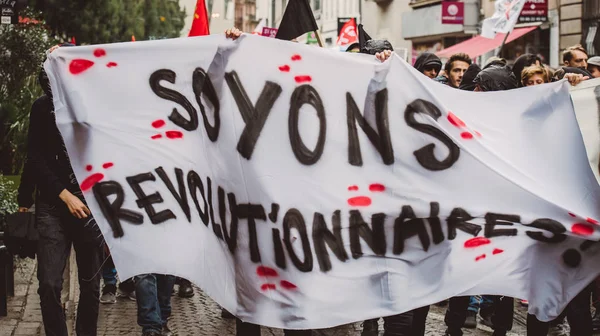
[
  {"x": 59, "y": 230},
  {"x": 502, "y": 315},
  {"x": 411, "y": 323},
  {"x": 249, "y": 329},
  {"x": 153, "y": 297},
  {"x": 577, "y": 312}
]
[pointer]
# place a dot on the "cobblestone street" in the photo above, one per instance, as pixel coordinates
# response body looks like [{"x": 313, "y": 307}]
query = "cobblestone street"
[
  {"x": 200, "y": 315},
  {"x": 196, "y": 316}
]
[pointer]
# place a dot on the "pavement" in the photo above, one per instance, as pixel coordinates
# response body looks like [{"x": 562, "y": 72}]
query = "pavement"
[{"x": 196, "y": 316}]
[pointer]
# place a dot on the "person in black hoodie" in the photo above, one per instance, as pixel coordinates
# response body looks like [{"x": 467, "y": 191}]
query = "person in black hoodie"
[
  {"x": 63, "y": 220},
  {"x": 468, "y": 78},
  {"x": 522, "y": 62},
  {"x": 428, "y": 64}
]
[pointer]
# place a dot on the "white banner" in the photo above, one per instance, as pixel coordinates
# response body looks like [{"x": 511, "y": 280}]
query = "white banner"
[
  {"x": 504, "y": 19},
  {"x": 306, "y": 188}
]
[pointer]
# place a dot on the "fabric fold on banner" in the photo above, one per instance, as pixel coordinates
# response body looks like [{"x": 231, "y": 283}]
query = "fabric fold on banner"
[{"x": 300, "y": 195}]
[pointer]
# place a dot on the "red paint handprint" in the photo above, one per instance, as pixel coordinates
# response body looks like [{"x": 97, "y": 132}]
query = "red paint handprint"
[
  {"x": 80, "y": 65},
  {"x": 268, "y": 272},
  {"x": 91, "y": 180},
  {"x": 457, "y": 122},
  {"x": 481, "y": 241},
  {"x": 300, "y": 79},
  {"x": 169, "y": 134},
  {"x": 362, "y": 201}
]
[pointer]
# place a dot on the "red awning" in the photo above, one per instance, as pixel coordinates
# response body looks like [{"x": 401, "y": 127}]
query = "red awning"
[{"x": 479, "y": 45}]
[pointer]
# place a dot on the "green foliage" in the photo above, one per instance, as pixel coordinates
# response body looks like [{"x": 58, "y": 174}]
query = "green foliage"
[
  {"x": 8, "y": 196},
  {"x": 108, "y": 21},
  {"x": 22, "y": 51}
]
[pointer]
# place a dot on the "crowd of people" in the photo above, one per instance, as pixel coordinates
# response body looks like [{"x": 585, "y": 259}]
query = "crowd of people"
[{"x": 64, "y": 220}]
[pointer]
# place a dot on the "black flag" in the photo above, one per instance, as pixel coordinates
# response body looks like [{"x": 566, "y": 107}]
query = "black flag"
[
  {"x": 363, "y": 37},
  {"x": 297, "y": 20}
]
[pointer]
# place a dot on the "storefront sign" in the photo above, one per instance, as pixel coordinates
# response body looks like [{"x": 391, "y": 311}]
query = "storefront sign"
[
  {"x": 453, "y": 12},
  {"x": 269, "y": 32},
  {"x": 8, "y": 12},
  {"x": 534, "y": 11}
]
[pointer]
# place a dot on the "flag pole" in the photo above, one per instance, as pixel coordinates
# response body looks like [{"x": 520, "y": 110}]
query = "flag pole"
[
  {"x": 319, "y": 38},
  {"x": 503, "y": 43}
]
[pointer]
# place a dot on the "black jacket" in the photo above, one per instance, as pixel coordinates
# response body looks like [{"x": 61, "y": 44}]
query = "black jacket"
[
  {"x": 26, "y": 187},
  {"x": 468, "y": 78},
  {"x": 47, "y": 155},
  {"x": 426, "y": 59}
]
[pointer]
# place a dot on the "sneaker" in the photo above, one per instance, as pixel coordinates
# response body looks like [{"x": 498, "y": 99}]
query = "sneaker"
[
  {"x": 471, "y": 320},
  {"x": 125, "y": 294},
  {"x": 370, "y": 328},
  {"x": 486, "y": 320},
  {"x": 109, "y": 294},
  {"x": 185, "y": 289}
]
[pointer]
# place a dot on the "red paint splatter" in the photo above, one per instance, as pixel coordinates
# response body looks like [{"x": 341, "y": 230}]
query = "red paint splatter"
[
  {"x": 454, "y": 120},
  {"x": 353, "y": 188},
  {"x": 591, "y": 221},
  {"x": 89, "y": 167},
  {"x": 268, "y": 286},
  {"x": 158, "y": 123},
  {"x": 156, "y": 136},
  {"x": 79, "y": 65},
  {"x": 476, "y": 242},
  {"x": 359, "y": 201},
  {"x": 296, "y": 57},
  {"x": 111, "y": 64},
  {"x": 99, "y": 52},
  {"x": 377, "y": 187},
  {"x": 572, "y": 214},
  {"x": 303, "y": 79},
  {"x": 265, "y": 271},
  {"x": 284, "y": 68},
  {"x": 174, "y": 134},
  {"x": 288, "y": 285},
  {"x": 91, "y": 180},
  {"x": 107, "y": 165},
  {"x": 582, "y": 229},
  {"x": 466, "y": 135},
  {"x": 497, "y": 251},
  {"x": 480, "y": 257}
]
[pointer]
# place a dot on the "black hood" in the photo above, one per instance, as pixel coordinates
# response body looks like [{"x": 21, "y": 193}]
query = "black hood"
[
  {"x": 426, "y": 59},
  {"x": 521, "y": 63},
  {"x": 496, "y": 78},
  {"x": 376, "y": 46},
  {"x": 467, "y": 82}
]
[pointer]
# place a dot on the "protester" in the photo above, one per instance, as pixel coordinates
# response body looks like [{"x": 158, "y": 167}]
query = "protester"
[
  {"x": 495, "y": 61},
  {"x": 594, "y": 66},
  {"x": 63, "y": 220},
  {"x": 575, "y": 57},
  {"x": 534, "y": 75},
  {"x": 153, "y": 293},
  {"x": 110, "y": 293},
  {"x": 428, "y": 64},
  {"x": 522, "y": 62},
  {"x": 467, "y": 80},
  {"x": 496, "y": 78},
  {"x": 456, "y": 67},
  {"x": 573, "y": 75}
]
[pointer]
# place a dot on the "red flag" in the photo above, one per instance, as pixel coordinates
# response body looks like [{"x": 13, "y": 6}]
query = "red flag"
[
  {"x": 348, "y": 34},
  {"x": 200, "y": 22}
]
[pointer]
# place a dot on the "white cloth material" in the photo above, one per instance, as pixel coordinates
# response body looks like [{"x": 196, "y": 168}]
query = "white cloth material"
[
  {"x": 504, "y": 19},
  {"x": 268, "y": 190}
]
